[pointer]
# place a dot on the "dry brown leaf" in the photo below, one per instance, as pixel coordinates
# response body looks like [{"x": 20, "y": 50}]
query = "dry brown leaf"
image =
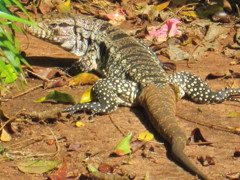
[
  {"x": 106, "y": 168},
  {"x": 215, "y": 75},
  {"x": 61, "y": 173},
  {"x": 55, "y": 83},
  {"x": 136, "y": 145},
  {"x": 45, "y": 73},
  {"x": 233, "y": 176},
  {"x": 196, "y": 136}
]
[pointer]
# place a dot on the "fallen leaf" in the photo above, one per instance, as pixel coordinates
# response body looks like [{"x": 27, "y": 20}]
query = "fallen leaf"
[
  {"x": 64, "y": 7},
  {"x": 102, "y": 3},
  {"x": 162, "y": 6},
  {"x": 45, "y": 8},
  {"x": 215, "y": 31},
  {"x": 44, "y": 73},
  {"x": 87, "y": 96},
  {"x": 233, "y": 176},
  {"x": 82, "y": 79},
  {"x": 3, "y": 116},
  {"x": 91, "y": 168},
  {"x": 175, "y": 54},
  {"x": 136, "y": 145},
  {"x": 215, "y": 75},
  {"x": 233, "y": 115},
  {"x": 5, "y": 136},
  {"x": 145, "y": 136},
  {"x": 59, "y": 97},
  {"x": 106, "y": 168},
  {"x": 37, "y": 166},
  {"x": 123, "y": 146},
  {"x": 196, "y": 136},
  {"x": 55, "y": 83},
  {"x": 74, "y": 147},
  {"x": 148, "y": 11},
  {"x": 61, "y": 173},
  {"x": 79, "y": 124}
]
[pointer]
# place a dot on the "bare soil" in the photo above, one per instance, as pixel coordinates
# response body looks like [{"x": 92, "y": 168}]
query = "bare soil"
[{"x": 98, "y": 137}]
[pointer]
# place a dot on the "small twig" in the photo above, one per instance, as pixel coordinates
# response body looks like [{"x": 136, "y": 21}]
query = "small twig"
[
  {"x": 213, "y": 142},
  {"x": 37, "y": 75},
  {"x": 57, "y": 142},
  {"x": 197, "y": 120},
  {"x": 29, "y": 90},
  {"x": 10, "y": 119},
  {"x": 117, "y": 127}
]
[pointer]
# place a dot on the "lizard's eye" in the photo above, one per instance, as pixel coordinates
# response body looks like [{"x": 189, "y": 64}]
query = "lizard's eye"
[
  {"x": 53, "y": 25},
  {"x": 63, "y": 25}
]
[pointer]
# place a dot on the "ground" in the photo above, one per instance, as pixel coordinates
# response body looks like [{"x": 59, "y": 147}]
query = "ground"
[{"x": 99, "y": 136}]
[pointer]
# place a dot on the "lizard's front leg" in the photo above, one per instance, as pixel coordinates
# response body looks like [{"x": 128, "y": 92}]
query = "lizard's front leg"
[
  {"x": 86, "y": 62},
  {"x": 108, "y": 93}
]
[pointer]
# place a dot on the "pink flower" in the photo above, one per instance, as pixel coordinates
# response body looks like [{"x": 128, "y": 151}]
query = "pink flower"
[{"x": 167, "y": 30}]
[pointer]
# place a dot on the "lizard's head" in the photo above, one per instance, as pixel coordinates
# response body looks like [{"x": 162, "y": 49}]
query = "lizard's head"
[{"x": 56, "y": 28}]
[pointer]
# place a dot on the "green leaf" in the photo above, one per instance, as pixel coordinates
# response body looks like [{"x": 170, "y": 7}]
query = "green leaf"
[
  {"x": 58, "y": 97},
  {"x": 7, "y": 73},
  {"x": 91, "y": 168},
  {"x": 123, "y": 146},
  {"x": 37, "y": 166}
]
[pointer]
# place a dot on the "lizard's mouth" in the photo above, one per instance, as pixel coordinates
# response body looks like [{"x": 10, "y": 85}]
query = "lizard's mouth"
[{"x": 44, "y": 34}]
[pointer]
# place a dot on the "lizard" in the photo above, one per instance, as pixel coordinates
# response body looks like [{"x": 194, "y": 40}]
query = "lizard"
[{"x": 132, "y": 74}]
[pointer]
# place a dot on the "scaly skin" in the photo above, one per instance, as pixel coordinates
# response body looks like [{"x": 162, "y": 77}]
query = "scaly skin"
[
  {"x": 132, "y": 73},
  {"x": 160, "y": 105}
]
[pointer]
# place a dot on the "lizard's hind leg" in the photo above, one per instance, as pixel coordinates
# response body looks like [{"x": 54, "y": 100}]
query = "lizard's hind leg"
[{"x": 198, "y": 90}]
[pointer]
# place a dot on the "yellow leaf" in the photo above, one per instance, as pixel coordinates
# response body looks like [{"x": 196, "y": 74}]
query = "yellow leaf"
[
  {"x": 5, "y": 136},
  {"x": 102, "y": 3},
  {"x": 82, "y": 79},
  {"x": 87, "y": 96},
  {"x": 191, "y": 14},
  {"x": 233, "y": 115},
  {"x": 162, "y": 6},
  {"x": 145, "y": 136},
  {"x": 79, "y": 124},
  {"x": 64, "y": 7}
]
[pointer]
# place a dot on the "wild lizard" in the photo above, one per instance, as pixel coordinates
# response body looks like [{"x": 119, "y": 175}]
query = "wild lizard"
[{"x": 132, "y": 74}]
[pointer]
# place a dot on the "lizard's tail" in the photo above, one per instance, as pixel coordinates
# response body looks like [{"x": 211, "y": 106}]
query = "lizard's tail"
[
  {"x": 177, "y": 152},
  {"x": 160, "y": 105}
]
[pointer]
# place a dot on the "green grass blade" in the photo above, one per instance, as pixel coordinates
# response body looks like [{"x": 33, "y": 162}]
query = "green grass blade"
[{"x": 15, "y": 18}]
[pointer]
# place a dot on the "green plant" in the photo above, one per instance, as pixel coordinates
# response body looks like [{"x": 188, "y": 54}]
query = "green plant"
[{"x": 10, "y": 57}]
